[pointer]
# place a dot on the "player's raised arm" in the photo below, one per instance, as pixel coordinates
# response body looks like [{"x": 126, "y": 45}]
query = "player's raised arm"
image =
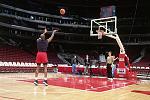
[
  {"x": 52, "y": 36},
  {"x": 45, "y": 31},
  {"x": 42, "y": 36}
]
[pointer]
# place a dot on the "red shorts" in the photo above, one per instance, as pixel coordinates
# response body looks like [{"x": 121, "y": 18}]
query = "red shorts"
[{"x": 41, "y": 57}]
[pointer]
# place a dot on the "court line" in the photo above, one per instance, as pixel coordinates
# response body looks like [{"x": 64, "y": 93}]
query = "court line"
[
  {"x": 27, "y": 92},
  {"x": 10, "y": 98}
]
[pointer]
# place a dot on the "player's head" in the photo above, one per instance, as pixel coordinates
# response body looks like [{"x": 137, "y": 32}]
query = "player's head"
[{"x": 42, "y": 36}]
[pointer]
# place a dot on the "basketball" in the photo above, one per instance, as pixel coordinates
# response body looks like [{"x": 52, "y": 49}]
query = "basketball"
[{"x": 62, "y": 11}]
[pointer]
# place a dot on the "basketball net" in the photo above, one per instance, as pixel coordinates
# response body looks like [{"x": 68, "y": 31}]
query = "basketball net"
[{"x": 100, "y": 34}]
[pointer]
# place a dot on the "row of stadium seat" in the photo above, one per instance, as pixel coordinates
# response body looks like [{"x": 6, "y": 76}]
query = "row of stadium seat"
[
  {"x": 21, "y": 67},
  {"x": 14, "y": 54}
]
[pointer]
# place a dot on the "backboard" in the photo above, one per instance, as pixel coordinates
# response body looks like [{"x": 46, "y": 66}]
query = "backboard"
[{"x": 108, "y": 23}]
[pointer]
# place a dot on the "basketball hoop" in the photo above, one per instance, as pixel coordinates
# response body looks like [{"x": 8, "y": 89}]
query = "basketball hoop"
[{"x": 108, "y": 25}]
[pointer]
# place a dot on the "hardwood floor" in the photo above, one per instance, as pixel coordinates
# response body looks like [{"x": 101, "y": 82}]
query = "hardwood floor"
[{"x": 19, "y": 86}]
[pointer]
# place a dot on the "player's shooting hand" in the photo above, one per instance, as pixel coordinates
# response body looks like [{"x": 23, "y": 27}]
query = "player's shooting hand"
[
  {"x": 45, "y": 30},
  {"x": 55, "y": 31}
]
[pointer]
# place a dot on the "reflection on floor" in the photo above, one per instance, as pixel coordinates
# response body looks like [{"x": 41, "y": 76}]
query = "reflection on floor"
[{"x": 87, "y": 83}]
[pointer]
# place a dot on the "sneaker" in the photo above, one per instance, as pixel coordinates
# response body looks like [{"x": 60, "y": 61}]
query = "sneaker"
[
  {"x": 45, "y": 83},
  {"x": 36, "y": 82}
]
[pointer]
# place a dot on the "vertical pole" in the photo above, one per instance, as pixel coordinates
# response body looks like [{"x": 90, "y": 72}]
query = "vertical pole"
[{"x": 91, "y": 31}]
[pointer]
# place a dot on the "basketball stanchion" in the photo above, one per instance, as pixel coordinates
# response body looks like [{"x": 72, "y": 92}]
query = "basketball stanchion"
[
  {"x": 148, "y": 73},
  {"x": 108, "y": 27}
]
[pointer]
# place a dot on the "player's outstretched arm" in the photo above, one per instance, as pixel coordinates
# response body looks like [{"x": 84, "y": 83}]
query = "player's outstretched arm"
[
  {"x": 52, "y": 36},
  {"x": 43, "y": 34}
]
